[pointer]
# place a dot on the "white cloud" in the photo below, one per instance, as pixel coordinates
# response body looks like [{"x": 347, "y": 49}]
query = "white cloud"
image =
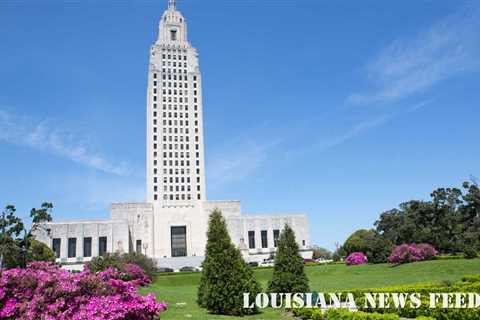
[
  {"x": 352, "y": 132},
  {"x": 407, "y": 67},
  {"x": 46, "y": 137},
  {"x": 237, "y": 163}
]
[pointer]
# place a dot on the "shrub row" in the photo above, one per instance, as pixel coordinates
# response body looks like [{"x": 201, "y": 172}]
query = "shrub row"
[
  {"x": 470, "y": 283},
  {"x": 343, "y": 314}
]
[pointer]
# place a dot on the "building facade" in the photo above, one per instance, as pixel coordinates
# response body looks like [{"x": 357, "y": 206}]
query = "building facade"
[{"x": 171, "y": 226}]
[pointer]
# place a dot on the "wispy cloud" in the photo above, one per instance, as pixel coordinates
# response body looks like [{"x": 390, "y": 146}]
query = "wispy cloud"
[
  {"x": 238, "y": 162},
  {"x": 409, "y": 66},
  {"x": 352, "y": 132},
  {"x": 46, "y": 137}
]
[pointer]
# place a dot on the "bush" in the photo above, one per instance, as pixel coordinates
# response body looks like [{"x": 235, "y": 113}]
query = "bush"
[
  {"x": 44, "y": 291},
  {"x": 356, "y": 258},
  {"x": 370, "y": 242},
  {"x": 427, "y": 250},
  {"x": 470, "y": 253},
  {"x": 406, "y": 253},
  {"x": 341, "y": 314},
  {"x": 288, "y": 270},
  {"x": 38, "y": 251},
  {"x": 225, "y": 275},
  {"x": 117, "y": 261},
  {"x": 471, "y": 278},
  {"x": 469, "y": 284}
]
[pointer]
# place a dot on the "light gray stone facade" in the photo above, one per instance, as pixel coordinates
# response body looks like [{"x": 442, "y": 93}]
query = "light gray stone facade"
[{"x": 172, "y": 225}]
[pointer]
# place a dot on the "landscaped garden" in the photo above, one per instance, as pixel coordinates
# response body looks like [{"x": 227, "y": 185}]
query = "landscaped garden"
[
  {"x": 440, "y": 257},
  {"x": 179, "y": 290}
]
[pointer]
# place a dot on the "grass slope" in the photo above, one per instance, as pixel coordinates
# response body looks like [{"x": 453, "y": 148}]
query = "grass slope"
[{"x": 182, "y": 288}]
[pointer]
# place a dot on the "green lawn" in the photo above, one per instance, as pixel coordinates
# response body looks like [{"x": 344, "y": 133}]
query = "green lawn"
[{"x": 179, "y": 290}]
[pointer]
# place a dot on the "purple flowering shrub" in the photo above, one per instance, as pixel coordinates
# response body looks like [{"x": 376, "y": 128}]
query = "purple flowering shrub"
[
  {"x": 45, "y": 291},
  {"x": 129, "y": 272},
  {"x": 356, "y": 258},
  {"x": 406, "y": 253}
]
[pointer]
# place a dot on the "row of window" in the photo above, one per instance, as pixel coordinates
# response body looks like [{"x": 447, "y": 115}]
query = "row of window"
[
  {"x": 176, "y": 124},
  {"x": 72, "y": 247},
  {"x": 174, "y": 130},
  {"x": 176, "y": 115},
  {"x": 174, "y": 84},
  {"x": 263, "y": 237},
  {"x": 173, "y": 64},
  {"x": 174, "y": 77},
  {"x": 174, "y": 57},
  {"x": 177, "y": 197},
  {"x": 175, "y": 138},
  {"x": 175, "y": 188},
  {"x": 175, "y": 107}
]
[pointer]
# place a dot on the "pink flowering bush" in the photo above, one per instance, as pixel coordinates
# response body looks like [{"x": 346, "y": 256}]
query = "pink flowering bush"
[
  {"x": 44, "y": 291},
  {"x": 130, "y": 272},
  {"x": 406, "y": 253},
  {"x": 356, "y": 258}
]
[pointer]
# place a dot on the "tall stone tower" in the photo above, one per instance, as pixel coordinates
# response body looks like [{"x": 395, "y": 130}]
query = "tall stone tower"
[{"x": 175, "y": 148}]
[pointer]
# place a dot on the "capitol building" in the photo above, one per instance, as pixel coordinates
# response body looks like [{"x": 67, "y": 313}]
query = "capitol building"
[{"x": 171, "y": 226}]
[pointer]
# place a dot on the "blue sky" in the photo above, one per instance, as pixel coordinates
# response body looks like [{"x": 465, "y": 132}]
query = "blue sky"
[{"x": 339, "y": 109}]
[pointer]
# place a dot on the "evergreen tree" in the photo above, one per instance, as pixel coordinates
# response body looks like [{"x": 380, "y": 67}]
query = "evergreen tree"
[
  {"x": 288, "y": 272},
  {"x": 225, "y": 275}
]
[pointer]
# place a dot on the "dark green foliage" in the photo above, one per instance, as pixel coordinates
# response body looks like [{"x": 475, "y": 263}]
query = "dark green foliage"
[
  {"x": 225, "y": 275},
  {"x": 38, "y": 251},
  {"x": 39, "y": 216},
  {"x": 342, "y": 314},
  {"x": 469, "y": 283},
  {"x": 11, "y": 227},
  {"x": 117, "y": 261},
  {"x": 288, "y": 272},
  {"x": 373, "y": 245},
  {"x": 470, "y": 253},
  {"x": 450, "y": 221}
]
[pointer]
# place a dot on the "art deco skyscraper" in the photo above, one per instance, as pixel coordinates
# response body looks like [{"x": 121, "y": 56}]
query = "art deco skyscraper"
[{"x": 175, "y": 148}]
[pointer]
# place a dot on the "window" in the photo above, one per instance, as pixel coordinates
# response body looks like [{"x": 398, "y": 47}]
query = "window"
[
  {"x": 102, "y": 246},
  {"x": 276, "y": 235},
  {"x": 173, "y": 35},
  {"x": 72, "y": 247},
  {"x": 56, "y": 245},
  {"x": 264, "y": 239},
  {"x": 179, "y": 241},
  {"x": 139, "y": 246},
  {"x": 251, "y": 239},
  {"x": 303, "y": 242},
  {"x": 87, "y": 247}
]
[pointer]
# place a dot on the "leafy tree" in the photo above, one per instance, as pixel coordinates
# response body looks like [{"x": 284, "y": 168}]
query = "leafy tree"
[
  {"x": 16, "y": 250},
  {"x": 288, "y": 271},
  {"x": 11, "y": 227},
  {"x": 470, "y": 216},
  {"x": 39, "y": 216},
  {"x": 373, "y": 245},
  {"x": 225, "y": 275},
  {"x": 38, "y": 251}
]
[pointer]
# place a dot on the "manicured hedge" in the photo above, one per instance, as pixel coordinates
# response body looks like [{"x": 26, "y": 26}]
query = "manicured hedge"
[
  {"x": 343, "y": 314},
  {"x": 469, "y": 283}
]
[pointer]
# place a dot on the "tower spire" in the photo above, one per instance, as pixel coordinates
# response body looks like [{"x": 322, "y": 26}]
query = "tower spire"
[{"x": 172, "y": 4}]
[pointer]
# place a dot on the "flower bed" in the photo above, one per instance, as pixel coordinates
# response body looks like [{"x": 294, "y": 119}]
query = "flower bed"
[{"x": 44, "y": 291}]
